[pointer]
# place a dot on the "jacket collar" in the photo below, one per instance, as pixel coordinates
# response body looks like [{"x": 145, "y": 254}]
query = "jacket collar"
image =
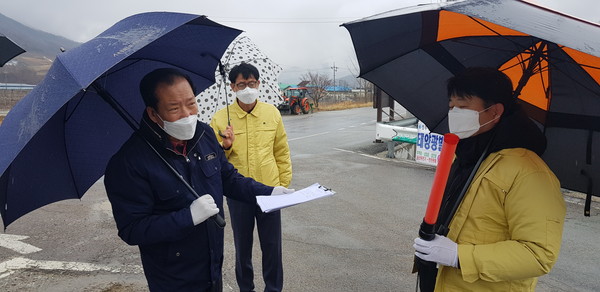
[
  {"x": 518, "y": 131},
  {"x": 235, "y": 107}
]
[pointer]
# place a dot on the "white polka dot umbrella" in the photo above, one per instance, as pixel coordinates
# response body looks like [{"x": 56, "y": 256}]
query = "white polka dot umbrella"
[{"x": 242, "y": 49}]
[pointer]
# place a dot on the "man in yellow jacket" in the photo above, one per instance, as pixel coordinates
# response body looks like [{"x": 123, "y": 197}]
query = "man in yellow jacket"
[
  {"x": 260, "y": 151},
  {"x": 507, "y": 229}
]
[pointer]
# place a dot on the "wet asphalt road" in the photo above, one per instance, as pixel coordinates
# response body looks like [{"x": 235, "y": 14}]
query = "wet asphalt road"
[{"x": 358, "y": 240}]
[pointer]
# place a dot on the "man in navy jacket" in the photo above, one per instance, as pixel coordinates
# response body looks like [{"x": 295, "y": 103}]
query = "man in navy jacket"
[{"x": 181, "y": 250}]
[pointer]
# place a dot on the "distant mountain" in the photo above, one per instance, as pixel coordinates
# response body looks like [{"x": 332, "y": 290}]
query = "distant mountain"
[
  {"x": 32, "y": 40},
  {"x": 348, "y": 80},
  {"x": 294, "y": 76},
  {"x": 41, "y": 49}
]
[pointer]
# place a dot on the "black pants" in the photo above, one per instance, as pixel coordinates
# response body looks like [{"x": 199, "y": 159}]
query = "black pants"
[
  {"x": 243, "y": 216},
  {"x": 216, "y": 287}
]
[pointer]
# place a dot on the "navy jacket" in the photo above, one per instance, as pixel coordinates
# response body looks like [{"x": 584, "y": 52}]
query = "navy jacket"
[{"x": 151, "y": 205}]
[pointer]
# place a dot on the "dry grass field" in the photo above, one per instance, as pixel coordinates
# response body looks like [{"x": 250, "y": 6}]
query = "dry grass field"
[{"x": 342, "y": 105}]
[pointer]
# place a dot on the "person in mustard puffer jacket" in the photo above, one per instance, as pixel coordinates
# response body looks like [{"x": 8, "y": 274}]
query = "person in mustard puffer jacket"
[
  {"x": 260, "y": 151},
  {"x": 507, "y": 230}
]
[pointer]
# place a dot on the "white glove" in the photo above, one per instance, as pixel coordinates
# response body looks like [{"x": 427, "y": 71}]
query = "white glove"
[
  {"x": 279, "y": 190},
  {"x": 202, "y": 208},
  {"x": 441, "y": 250}
]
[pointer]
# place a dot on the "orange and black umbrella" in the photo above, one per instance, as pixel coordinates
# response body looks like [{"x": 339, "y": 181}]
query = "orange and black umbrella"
[
  {"x": 8, "y": 50},
  {"x": 552, "y": 59}
]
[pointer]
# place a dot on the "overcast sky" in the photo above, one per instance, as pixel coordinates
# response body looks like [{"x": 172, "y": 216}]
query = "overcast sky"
[{"x": 301, "y": 36}]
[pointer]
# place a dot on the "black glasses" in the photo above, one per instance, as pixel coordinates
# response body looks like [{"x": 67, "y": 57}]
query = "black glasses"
[{"x": 243, "y": 85}]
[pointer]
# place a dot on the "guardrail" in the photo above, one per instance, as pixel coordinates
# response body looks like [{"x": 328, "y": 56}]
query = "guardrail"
[{"x": 402, "y": 131}]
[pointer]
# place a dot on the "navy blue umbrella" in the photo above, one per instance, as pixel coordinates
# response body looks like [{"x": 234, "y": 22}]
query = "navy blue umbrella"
[
  {"x": 8, "y": 50},
  {"x": 56, "y": 142}
]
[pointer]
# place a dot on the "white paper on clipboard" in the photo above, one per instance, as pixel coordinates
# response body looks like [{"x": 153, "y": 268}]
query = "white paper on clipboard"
[{"x": 273, "y": 203}]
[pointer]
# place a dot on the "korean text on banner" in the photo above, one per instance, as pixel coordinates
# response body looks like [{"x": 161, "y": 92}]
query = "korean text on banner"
[{"x": 429, "y": 145}]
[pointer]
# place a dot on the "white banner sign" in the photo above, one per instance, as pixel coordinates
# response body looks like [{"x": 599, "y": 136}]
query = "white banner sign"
[{"x": 429, "y": 145}]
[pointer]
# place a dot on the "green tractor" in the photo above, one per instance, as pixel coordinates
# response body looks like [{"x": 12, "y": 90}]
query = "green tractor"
[{"x": 295, "y": 100}]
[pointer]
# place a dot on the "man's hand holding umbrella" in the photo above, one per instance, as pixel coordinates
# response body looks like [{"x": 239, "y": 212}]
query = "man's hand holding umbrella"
[
  {"x": 203, "y": 208},
  {"x": 228, "y": 137}
]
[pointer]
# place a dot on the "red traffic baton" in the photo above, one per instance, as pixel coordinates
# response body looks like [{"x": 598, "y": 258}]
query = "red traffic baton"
[{"x": 426, "y": 231}]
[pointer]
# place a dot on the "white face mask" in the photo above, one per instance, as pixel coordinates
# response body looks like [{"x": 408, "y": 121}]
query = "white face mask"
[
  {"x": 247, "y": 95},
  {"x": 182, "y": 129},
  {"x": 465, "y": 122}
]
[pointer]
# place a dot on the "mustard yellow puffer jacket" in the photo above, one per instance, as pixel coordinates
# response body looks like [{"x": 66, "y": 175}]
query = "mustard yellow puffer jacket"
[
  {"x": 508, "y": 227},
  {"x": 260, "y": 149}
]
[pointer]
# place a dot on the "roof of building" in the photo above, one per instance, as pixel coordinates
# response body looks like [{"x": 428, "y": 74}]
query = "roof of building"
[{"x": 337, "y": 88}]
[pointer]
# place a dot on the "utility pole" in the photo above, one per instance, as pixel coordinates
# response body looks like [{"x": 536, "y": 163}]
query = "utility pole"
[{"x": 334, "y": 69}]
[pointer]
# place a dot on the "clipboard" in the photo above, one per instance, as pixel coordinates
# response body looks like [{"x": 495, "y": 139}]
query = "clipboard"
[{"x": 273, "y": 203}]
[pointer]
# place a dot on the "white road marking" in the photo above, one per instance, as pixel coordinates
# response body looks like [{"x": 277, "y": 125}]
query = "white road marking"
[
  {"x": 402, "y": 161},
  {"x": 343, "y": 150},
  {"x": 362, "y": 154},
  {"x": 12, "y": 242},
  {"x": 9, "y": 267},
  {"x": 318, "y": 134},
  {"x": 323, "y": 133},
  {"x": 3, "y": 275}
]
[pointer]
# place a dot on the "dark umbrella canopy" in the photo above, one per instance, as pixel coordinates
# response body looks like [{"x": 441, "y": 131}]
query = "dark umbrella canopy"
[
  {"x": 56, "y": 142},
  {"x": 8, "y": 50},
  {"x": 551, "y": 58}
]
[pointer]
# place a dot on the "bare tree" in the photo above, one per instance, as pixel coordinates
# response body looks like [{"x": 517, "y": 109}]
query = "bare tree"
[
  {"x": 367, "y": 87},
  {"x": 317, "y": 84}
]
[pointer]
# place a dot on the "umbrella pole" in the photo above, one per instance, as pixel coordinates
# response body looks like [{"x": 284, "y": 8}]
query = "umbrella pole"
[
  {"x": 224, "y": 84},
  {"x": 528, "y": 72},
  {"x": 222, "y": 73},
  {"x": 217, "y": 219}
]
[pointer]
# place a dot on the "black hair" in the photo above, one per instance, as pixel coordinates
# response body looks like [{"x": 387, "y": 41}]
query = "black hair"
[
  {"x": 489, "y": 84},
  {"x": 245, "y": 69},
  {"x": 151, "y": 81}
]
